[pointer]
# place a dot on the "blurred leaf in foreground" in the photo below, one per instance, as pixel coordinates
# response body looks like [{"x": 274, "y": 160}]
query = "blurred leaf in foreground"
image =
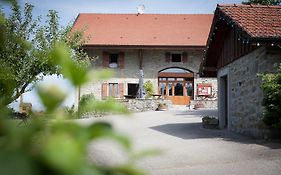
[{"x": 51, "y": 97}]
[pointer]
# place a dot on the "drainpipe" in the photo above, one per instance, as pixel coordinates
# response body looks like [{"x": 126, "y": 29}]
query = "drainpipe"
[{"x": 140, "y": 59}]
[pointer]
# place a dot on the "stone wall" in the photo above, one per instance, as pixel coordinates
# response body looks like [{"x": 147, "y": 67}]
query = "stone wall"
[
  {"x": 138, "y": 105},
  {"x": 212, "y": 81},
  {"x": 244, "y": 92},
  {"x": 209, "y": 104},
  {"x": 153, "y": 62}
]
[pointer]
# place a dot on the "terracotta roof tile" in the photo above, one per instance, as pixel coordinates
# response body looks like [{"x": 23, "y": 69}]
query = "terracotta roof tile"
[
  {"x": 145, "y": 29},
  {"x": 257, "y": 20}
]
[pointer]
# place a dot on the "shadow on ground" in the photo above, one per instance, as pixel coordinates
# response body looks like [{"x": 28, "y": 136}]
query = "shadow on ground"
[
  {"x": 196, "y": 131},
  {"x": 199, "y": 112}
]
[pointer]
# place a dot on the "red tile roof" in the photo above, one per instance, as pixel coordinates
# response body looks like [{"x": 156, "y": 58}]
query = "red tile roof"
[
  {"x": 257, "y": 20},
  {"x": 145, "y": 29}
]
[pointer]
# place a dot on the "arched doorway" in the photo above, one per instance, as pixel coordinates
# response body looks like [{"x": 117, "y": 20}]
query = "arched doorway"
[{"x": 176, "y": 84}]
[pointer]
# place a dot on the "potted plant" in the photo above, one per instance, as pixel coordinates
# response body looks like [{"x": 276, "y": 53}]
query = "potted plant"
[{"x": 210, "y": 122}]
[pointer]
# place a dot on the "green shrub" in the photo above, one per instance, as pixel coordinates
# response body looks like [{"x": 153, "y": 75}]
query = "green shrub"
[
  {"x": 271, "y": 85},
  {"x": 148, "y": 87},
  {"x": 50, "y": 144},
  {"x": 85, "y": 98}
]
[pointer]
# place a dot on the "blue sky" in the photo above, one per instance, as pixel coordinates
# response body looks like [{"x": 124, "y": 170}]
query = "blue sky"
[{"x": 69, "y": 9}]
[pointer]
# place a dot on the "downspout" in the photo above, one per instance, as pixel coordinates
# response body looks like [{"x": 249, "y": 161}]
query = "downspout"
[{"x": 140, "y": 58}]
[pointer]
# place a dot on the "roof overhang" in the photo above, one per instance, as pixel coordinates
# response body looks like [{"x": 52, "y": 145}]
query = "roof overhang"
[
  {"x": 145, "y": 47},
  {"x": 208, "y": 68}
]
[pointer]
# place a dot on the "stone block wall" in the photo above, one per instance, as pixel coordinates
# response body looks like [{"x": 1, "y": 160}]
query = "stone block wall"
[
  {"x": 138, "y": 105},
  {"x": 153, "y": 62},
  {"x": 209, "y": 104},
  {"x": 244, "y": 92},
  {"x": 212, "y": 81}
]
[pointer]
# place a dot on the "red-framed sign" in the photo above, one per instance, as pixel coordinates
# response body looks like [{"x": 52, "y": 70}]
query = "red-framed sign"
[{"x": 204, "y": 89}]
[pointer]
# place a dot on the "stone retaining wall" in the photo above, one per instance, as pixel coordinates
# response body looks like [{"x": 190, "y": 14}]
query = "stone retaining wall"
[
  {"x": 138, "y": 105},
  {"x": 210, "y": 104}
]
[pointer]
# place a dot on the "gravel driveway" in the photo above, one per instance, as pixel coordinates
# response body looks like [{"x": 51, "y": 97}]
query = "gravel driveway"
[{"x": 188, "y": 149}]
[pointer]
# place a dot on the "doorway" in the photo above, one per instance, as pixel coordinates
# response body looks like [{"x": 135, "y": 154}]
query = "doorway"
[
  {"x": 176, "y": 84},
  {"x": 223, "y": 102}
]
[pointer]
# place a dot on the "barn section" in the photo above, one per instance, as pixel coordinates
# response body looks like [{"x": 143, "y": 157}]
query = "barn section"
[{"x": 244, "y": 41}]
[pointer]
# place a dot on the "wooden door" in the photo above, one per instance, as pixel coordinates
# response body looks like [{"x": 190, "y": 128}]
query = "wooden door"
[{"x": 176, "y": 89}]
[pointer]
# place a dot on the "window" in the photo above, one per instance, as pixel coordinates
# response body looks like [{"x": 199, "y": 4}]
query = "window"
[
  {"x": 133, "y": 89},
  {"x": 176, "y": 58},
  {"x": 113, "y": 60},
  {"x": 113, "y": 90}
]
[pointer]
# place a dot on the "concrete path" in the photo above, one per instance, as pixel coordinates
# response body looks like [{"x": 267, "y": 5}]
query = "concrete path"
[{"x": 188, "y": 149}]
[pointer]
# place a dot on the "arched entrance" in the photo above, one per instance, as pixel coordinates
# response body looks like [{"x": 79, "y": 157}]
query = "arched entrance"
[{"x": 176, "y": 84}]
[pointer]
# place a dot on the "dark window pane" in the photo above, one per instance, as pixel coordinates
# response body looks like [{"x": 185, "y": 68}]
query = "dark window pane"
[
  {"x": 179, "y": 89},
  {"x": 176, "y": 57},
  {"x": 113, "y": 58},
  {"x": 189, "y": 89},
  {"x": 133, "y": 89},
  {"x": 162, "y": 88},
  {"x": 170, "y": 89}
]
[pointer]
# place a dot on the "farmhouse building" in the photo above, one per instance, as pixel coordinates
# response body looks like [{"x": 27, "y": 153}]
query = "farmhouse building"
[
  {"x": 244, "y": 41},
  {"x": 169, "y": 48}
]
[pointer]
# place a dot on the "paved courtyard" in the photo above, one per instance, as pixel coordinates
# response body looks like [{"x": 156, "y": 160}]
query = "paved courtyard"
[{"x": 188, "y": 149}]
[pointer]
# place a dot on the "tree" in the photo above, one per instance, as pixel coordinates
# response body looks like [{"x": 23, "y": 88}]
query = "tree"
[
  {"x": 61, "y": 146},
  {"x": 263, "y": 2},
  {"x": 26, "y": 43}
]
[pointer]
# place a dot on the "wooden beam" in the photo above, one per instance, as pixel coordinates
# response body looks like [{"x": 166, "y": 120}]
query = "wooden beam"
[
  {"x": 175, "y": 75},
  {"x": 210, "y": 69}
]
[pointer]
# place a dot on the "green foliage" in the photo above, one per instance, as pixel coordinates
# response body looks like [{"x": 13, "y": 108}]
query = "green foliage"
[
  {"x": 85, "y": 99},
  {"x": 49, "y": 144},
  {"x": 271, "y": 85},
  {"x": 148, "y": 87},
  {"x": 26, "y": 43},
  {"x": 57, "y": 146},
  {"x": 7, "y": 112},
  {"x": 70, "y": 111},
  {"x": 51, "y": 97},
  {"x": 263, "y": 2}
]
